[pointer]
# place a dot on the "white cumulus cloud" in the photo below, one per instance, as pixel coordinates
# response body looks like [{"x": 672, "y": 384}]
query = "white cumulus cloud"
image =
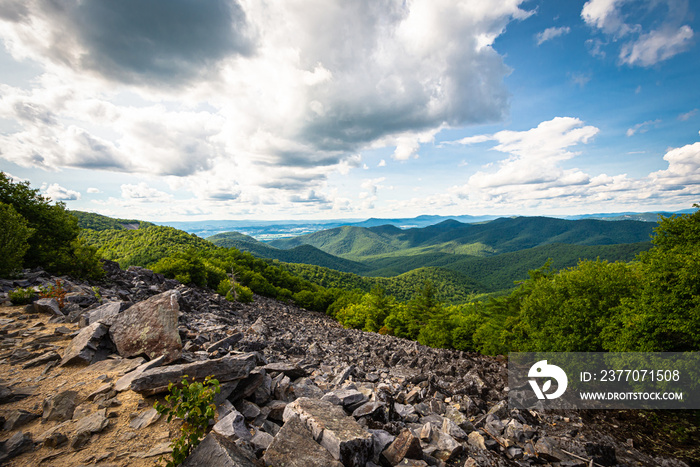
[
  {"x": 59, "y": 193},
  {"x": 660, "y": 35},
  {"x": 551, "y": 33}
]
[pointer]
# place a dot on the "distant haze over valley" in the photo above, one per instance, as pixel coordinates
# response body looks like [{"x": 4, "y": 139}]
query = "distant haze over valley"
[{"x": 269, "y": 230}]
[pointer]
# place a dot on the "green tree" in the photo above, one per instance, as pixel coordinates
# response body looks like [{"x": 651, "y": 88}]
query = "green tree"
[
  {"x": 52, "y": 246},
  {"x": 567, "y": 311},
  {"x": 14, "y": 237},
  {"x": 665, "y": 314}
]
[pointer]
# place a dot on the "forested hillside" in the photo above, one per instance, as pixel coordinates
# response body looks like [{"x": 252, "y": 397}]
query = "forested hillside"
[
  {"x": 498, "y": 236},
  {"x": 93, "y": 221},
  {"x": 304, "y": 254}
]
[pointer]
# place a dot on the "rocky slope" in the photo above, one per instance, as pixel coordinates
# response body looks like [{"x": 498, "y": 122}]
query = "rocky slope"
[{"x": 78, "y": 384}]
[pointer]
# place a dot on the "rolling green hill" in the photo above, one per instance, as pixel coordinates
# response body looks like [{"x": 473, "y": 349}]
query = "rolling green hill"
[
  {"x": 450, "y": 286},
  {"x": 90, "y": 220},
  {"x": 305, "y": 254},
  {"x": 501, "y": 235},
  {"x": 143, "y": 246}
]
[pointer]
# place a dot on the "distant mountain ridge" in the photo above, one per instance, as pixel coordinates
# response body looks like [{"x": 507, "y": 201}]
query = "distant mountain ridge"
[{"x": 501, "y": 235}]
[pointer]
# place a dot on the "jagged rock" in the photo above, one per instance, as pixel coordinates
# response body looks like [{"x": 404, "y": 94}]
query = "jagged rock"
[
  {"x": 217, "y": 451},
  {"x": 380, "y": 439},
  {"x": 104, "y": 389},
  {"x": 225, "y": 342},
  {"x": 16, "y": 445},
  {"x": 48, "y": 306},
  {"x": 155, "y": 380},
  {"x": 344, "y": 438},
  {"x": 59, "y": 407},
  {"x": 276, "y": 410},
  {"x": 50, "y": 356},
  {"x": 374, "y": 410},
  {"x": 149, "y": 328},
  {"x": 344, "y": 397},
  {"x": 293, "y": 446},
  {"x": 85, "y": 347},
  {"x": 476, "y": 440},
  {"x": 249, "y": 410},
  {"x": 447, "y": 447},
  {"x": 451, "y": 428},
  {"x": 144, "y": 419},
  {"x": 18, "y": 418},
  {"x": 124, "y": 383},
  {"x": 289, "y": 369},
  {"x": 8, "y": 395},
  {"x": 260, "y": 327},
  {"x": 305, "y": 387},
  {"x": 232, "y": 426},
  {"x": 248, "y": 385},
  {"x": 548, "y": 450},
  {"x": 105, "y": 313},
  {"x": 261, "y": 441},
  {"x": 406, "y": 445},
  {"x": 93, "y": 423}
]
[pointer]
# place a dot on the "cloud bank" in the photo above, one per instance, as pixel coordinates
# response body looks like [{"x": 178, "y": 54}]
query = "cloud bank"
[{"x": 271, "y": 96}]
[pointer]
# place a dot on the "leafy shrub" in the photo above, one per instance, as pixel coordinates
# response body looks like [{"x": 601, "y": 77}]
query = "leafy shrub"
[
  {"x": 191, "y": 402},
  {"x": 14, "y": 236},
  {"x": 234, "y": 292},
  {"x": 54, "y": 291},
  {"x": 21, "y": 296}
]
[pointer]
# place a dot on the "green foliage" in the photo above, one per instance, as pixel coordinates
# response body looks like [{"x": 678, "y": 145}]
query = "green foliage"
[
  {"x": 234, "y": 292},
  {"x": 20, "y": 296},
  {"x": 568, "y": 311},
  {"x": 52, "y": 245},
  {"x": 14, "y": 236},
  {"x": 142, "y": 247},
  {"x": 369, "y": 312},
  {"x": 665, "y": 314},
  {"x": 193, "y": 403},
  {"x": 54, "y": 291},
  {"x": 90, "y": 220}
]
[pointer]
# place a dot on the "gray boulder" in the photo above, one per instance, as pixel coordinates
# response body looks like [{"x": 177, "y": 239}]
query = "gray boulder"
[
  {"x": 294, "y": 446},
  {"x": 149, "y": 328}
]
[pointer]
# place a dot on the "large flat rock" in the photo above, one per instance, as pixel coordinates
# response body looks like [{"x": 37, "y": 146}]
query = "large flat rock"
[
  {"x": 229, "y": 368},
  {"x": 149, "y": 328},
  {"x": 344, "y": 438},
  {"x": 294, "y": 446}
]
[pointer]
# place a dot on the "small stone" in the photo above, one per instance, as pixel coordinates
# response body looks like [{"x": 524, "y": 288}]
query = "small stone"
[
  {"x": 18, "y": 418},
  {"x": 17, "y": 444},
  {"x": 476, "y": 440},
  {"x": 144, "y": 419},
  {"x": 344, "y": 397},
  {"x": 59, "y": 407},
  {"x": 404, "y": 446},
  {"x": 93, "y": 423},
  {"x": 48, "y": 306},
  {"x": 232, "y": 426}
]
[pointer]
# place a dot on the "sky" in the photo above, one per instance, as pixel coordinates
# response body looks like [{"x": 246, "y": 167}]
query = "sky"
[{"x": 168, "y": 110}]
